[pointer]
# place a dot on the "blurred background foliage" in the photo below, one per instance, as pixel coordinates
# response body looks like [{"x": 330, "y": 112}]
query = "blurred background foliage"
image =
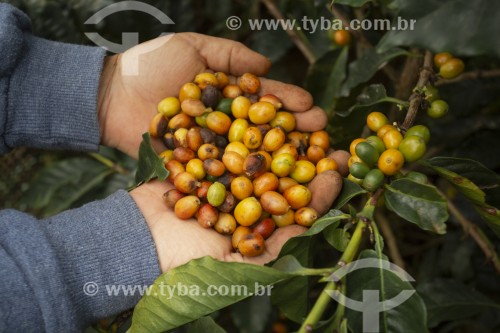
[{"x": 44, "y": 183}]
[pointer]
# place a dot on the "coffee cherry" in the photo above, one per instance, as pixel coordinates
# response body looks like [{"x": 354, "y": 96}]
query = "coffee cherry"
[
  {"x": 224, "y": 106},
  {"x": 228, "y": 204},
  {"x": 261, "y": 112},
  {"x": 232, "y": 91},
  {"x": 438, "y": 109},
  {"x": 207, "y": 151},
  {"x": 253, "y": 164},
  {"x": 174, "y": 167},
  {"x": 180, "y": 137},
  {"x": 241, "y": 187},
  {"x": 375, "y": 120},
  {"x": 273, "y": 139},
  {"x": 285, "y": 219},
  {"x": 195, "y": 167},
  {"x": 202, "y": 190},
  {"x": 287, "y": 148},
  {"x": 326, "y": 164},
  {"x": 265, "y": 227},
  {"x": 222, "y": 79},
  {"x": 193, "y": 107},
  {"x": 172, "y": 196},
  {"x": 285, "y": 183},
  {"x": 252, "y": 138},
  {"x": 249, "y": 83},
  {"x": 274, "y": 203},
  {"x": 169, "y": 107},
  {"x": 306, "y": 216},
  {"x": 304, "y": 172},
  {"x": 376, "y": 142},
  {"x": 283, "y": 164},
  {"x": 298, "y": 196},
  {"x": 233, "y": 162},
  {"x": 342, "y": 37},
  {"x": 226, "y": 224},
  {"x": 186, "y": 207},
  {"x": 273, "y": 100},
  {"x": 210, "y": 97},
  {"x": 266, "y": 182},
  {"x": 373, "y": 180},
  {"x": 238, "y": 235},
  {"x": 240, "y": 107},
  {"x": 189, "y": 90},
  {"x": 183, "y": 154},
  {"x": 216, "y": 194},
  {"x": 158, "y": 126},
  {"x": 248, "y": 211},
  {"x": 167, "y": 156},
  {"x": 214, "y": 167},
  {"x": 367, "y": 153},
  {"x": 392, "y": 139},
  {"x": 207, "y": 215},
  {"x": 219, "y": 122},
  {"x": 186, "y": 182},
  {"x": 354, "y": 143},
  {"x": 285, "y": 120},
  {"x": 413, "y": 148},
  {"x": 251, "y": 245},
  {"x": 452, "y": 68},
  {"x": 315, "y": 153},
  {"x": 180, "y": 120},
  {"x": 194, "y": 140},
  {"x": 321, "y": 139},
  {"x": 238, "y": 147},
  {"x": 441, "y": 58},
  {"x": 205, "y": 79},
  {"x": 237, "y": 130},
  {"x": 419, "y": 130},
  {"x": 390, "y": 161},
  {"x": 384, "y": 129}
]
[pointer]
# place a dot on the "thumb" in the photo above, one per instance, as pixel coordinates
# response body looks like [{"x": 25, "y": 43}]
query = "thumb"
[{"x": 227, "y": 56}]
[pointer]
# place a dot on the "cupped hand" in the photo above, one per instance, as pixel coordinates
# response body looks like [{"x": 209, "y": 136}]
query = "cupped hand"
[{"x": 127, "y": 103}]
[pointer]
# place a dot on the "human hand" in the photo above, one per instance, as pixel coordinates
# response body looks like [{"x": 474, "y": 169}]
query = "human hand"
[
  {"x": 128, "y": 103},
  {"x": 179, "y": 241}
]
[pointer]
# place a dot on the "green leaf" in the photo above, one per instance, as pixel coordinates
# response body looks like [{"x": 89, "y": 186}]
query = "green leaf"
[
  {"x": 326, "y": 76},
  {"x": 299, "y": 246},
  {"x": 150, "y": 166},
  {"x": 204, "y": 324},
  {"x": 251, "y": 315},
  {"x": 448, "y": 299},
  {"x": 408, "y": 317},
  {"x": 291, "y": 297},
  {"x": 372, "y": 95},
  {"x": 337, "y": 237},
  {"x": 349, "y": 190},
  {"x": 364, "y": 68},
  {"x": 352, "y": 3},
  {"x": 469, "y": 33},
  {"x": 460, "y": 172},
  {"x": 61, "y": 184},
  {"x": 164, "y": 308},
  {"x": 418, "y": 203},
  {"x": 290, "y": 264},
  {"x": 473, "y": 179}
]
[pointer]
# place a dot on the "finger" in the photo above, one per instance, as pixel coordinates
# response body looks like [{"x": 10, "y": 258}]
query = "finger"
[
  {"x": 228, "y": 56},
  {"x": 275, "y": 243},
  {"x": 342, "y": 158},
  {"x": 325, "y": 188},
  {"x": 312, "y": 120},
  {"x": 293, "y": 98}
]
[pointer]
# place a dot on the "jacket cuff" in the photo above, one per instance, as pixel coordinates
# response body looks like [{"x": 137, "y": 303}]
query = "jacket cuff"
[
  {"x": 101, "y": 246},
  {"x": 52, "y": 96}
]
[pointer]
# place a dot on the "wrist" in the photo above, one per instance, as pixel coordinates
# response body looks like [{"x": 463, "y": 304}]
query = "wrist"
[{"x": 104, "y": 96}]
